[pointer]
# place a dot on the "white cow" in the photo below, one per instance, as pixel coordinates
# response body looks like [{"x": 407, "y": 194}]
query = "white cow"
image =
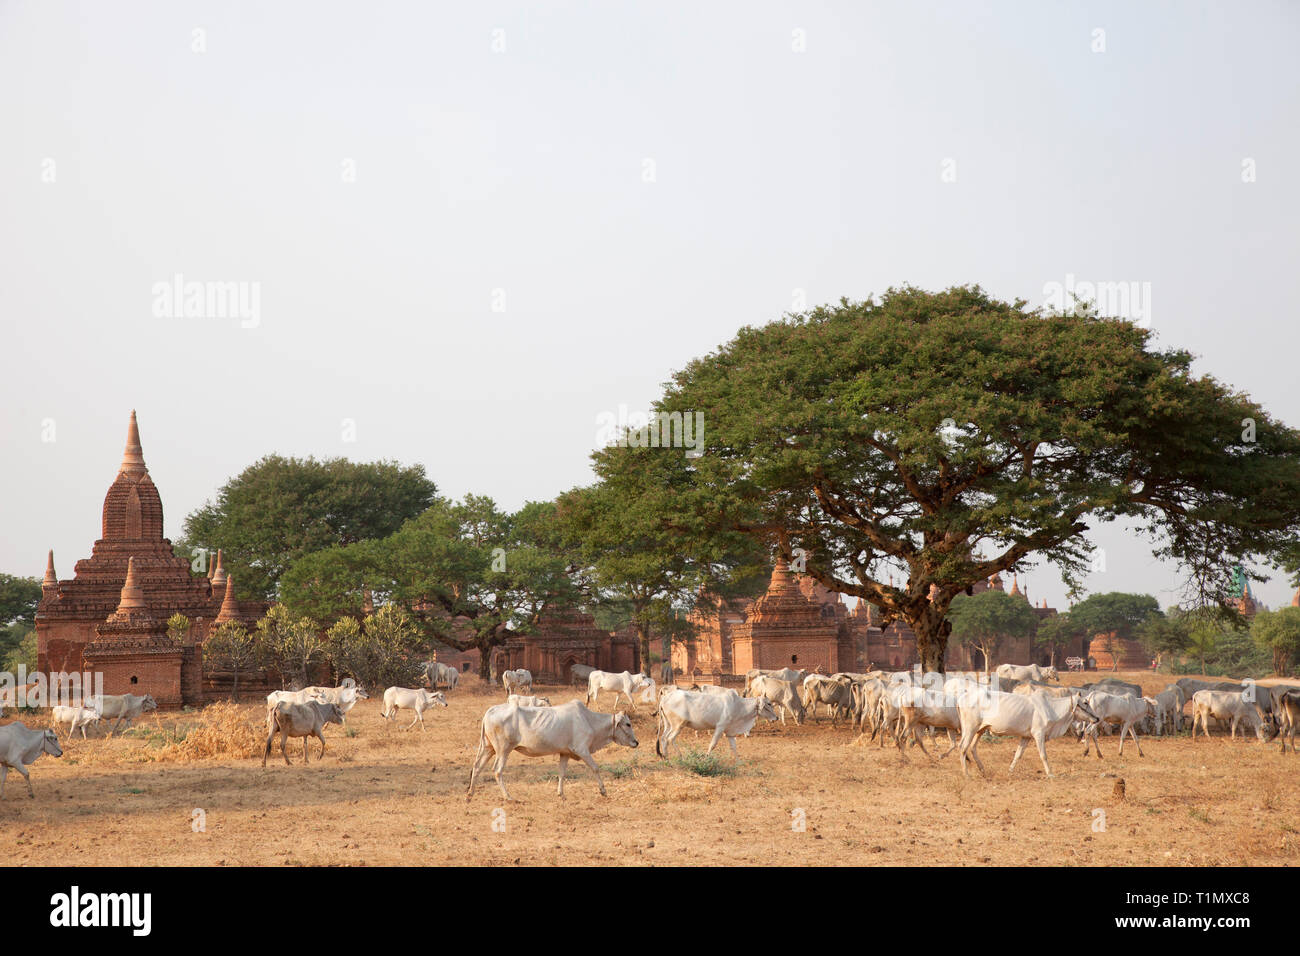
[
  {"x": 77, "y": 718},
  {"x": 293, "y": 696},
  {"x": 781, "y": 693},
  {"x": 441, "y": 675},
  {"x": 1027, "y": 672},
  {"x": 417, "y": 699},
  {"x": 299, "y": 720},
  {"x": 918, "y": 707},
  {"x": 1169, "y": 709},
  {"x": 346, "y": 696},
  {"x": 624, "y": 684},
  {"x": 20, "y": 747},
  {"x": 785, "y": 673},
  {"x": 727, "y": 716},
  {"x": 715, "y": 689},
  {"x": 523, "y": 701},
  {"x": 516, "y": 681},
  {"x": 570, "y": 730},
  {"x": 1230, "y": 706},
  {"x": 121, "y": 706},
  {"x": 835, "y": 693},
  {"x": 1034, "y": 717},
  {"x": 1121, "y": 710}
]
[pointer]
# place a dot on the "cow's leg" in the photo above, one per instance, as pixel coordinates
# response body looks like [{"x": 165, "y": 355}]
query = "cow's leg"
[
  {"x": 1122, "y": 730},
  {"x": 499, "y": 770},
  {"x": 735, "y": 754},
  {"x": 412, "y": 723},
  {"x": 564, "y": 762},
  {"x": 1042, "y": 753},
  {"x": 587, "y": 759},
  {"x": 4, "y": 772},
  {"x": 321, "y": 734},
  {"x": 304, "y": 748},
  {"x": 284, "y": 747},
  {"x": 1024, "y": 742},
  {"x": 485, "y": 753},
  {"x": 1136, "y": 743},
  {"x": 270, "y": 736},
  {"x": 717, "y": 735},
  {"x": 952, "y": 743}
]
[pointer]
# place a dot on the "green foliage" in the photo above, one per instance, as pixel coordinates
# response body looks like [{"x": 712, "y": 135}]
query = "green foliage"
[
  {"x": 988, "y": 618},
  {"x": 23, "y": 654},
  {"x": 468, "y": 574},
  {"x": 701, "y": 764},
  {"x": 1055, "y": 632},
  {"x": 291, "y": 644},
  {"x": 1278, "y": 633},
  {"x": 279, "y": 510},
  {"x": 950, "y": 435},
  {"x": 382, "y": 652},
  {"x": 1114, "y": 611},
  {"x": 178, "y": 627},
  {"x": 18, "y": 599},
  {"x": 231, "y": 647}
]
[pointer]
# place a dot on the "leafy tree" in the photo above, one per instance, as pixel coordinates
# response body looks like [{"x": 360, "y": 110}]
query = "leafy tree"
[
  {"x": 986, "y": 619},
  {"x": 381, "y": 653},
  {"x": 178, "y": 627},
  {"x": 232, "y": 648},
  {"x": 1163, "y": 634},
  {"x": 282, "y": 509},
  {"x": 292, "y": 644},
  {"x": 1278, "y": 632},
  {"x": 468, "y": 574},
  {"x": 23, "y": 655},
  {"x": 1114, "y": 616},
  {"x": 927, "y": 429},
  {"x": 18, "y": 599},
  {"x": 1056, "y": 632}
]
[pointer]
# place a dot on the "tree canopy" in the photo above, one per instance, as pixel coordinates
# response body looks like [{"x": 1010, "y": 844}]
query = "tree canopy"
[
  {"x": 952, "y": 435},
  {"x": 986, "y": 619},
  {"x": 279, "y": 510}
]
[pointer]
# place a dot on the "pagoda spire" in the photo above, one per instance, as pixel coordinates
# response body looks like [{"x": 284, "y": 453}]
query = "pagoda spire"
[
  {"x": 132, "y": 594},
  {"x": 133, "y": 456},
  {"x": 51, "y": 579},
  {"x": 218, "y": 572},
  {"x": 229, "y": 606}
]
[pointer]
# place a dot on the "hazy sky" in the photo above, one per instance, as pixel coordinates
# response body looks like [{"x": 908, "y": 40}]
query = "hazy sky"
[{"x": 475, "y": 227}]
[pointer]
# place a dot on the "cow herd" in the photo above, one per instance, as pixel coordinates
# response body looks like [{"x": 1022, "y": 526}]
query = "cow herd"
[{"x": 1026, "y": 703}]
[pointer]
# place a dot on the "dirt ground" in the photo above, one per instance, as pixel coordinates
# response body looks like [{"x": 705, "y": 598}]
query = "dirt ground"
[{"x": 383, "y": 795}]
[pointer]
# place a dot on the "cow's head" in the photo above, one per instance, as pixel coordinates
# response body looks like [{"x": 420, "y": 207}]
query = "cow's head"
[
  {"x": 149, "y": 703},
  {"x": 1081, "y": 709},
  {"x": 435, "y": 697},
  {"x": 543, "y": 701},
  {"x": 766, "y": 710},
  {"x": 623, "y": 733},
  {"x": 50, "y": 744},
  {"x": 648, "y": 690},
  {"x": 333, "y": 714},
  {"x": 1049, "y": 673}
]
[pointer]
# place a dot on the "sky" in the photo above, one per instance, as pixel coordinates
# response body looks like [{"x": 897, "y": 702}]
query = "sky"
[{"x": 459, "y": 234}]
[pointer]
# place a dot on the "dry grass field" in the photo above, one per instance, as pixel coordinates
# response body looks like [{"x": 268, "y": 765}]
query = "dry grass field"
[{"x": 384, "y": 796}]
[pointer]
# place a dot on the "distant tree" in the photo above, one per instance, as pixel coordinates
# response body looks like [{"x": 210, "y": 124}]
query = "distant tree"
[
  {"x": 23, "y": 655},
  {"x": 279, "y": 510},
  {"x": 1055, "y": 633},
  {"x": 231, "y": 647},
  {"x": 292, "y": 644},
  {"x": 1163, "y": 634},
  {"x": 1278, "y": 632},
  {"x": 18, "y": 599},
  {"x": 987, "y": 619},
  {"x": 1113, "y": 616}
]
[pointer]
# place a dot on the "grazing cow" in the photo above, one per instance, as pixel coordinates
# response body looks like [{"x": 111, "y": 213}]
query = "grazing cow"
[
  {"x": 727, "y": 716},
  {"x": 918, "y": 707},
  {"x": 1287, "y": 710},
  {"x": 1034, "y": 717},
  {"x": 293, "y": 696},
  {"x": 299, "y": 720},
  {"x": 1122, "y": 710},
  {"x": 866, "y": 704},
  {"x": 523, "y": 701},
  {"x": 346, "y": 696},
  {"x": 570, "y": 730},
  {"x": 75, "y": 717},
  {"x": 517, "y": 681},
  {"x": 20, "y": 747},
  {"x": 780, "y": 692},
  {"x": 1028, "y": 672},
  {"x": 835, "y": 694},
  {"x": 1230, "y": 706},
  {"x": 623, "y": 684},
  {"x": 417, "y": 699},
  {"x": 1169, "y": 709},
  {"x": 121, "y": 706}
]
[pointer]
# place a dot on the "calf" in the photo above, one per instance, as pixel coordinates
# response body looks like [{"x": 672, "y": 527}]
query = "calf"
[
  {"x": 417, "y": 699},
  {"x": 75, "y": 717},
  {"x": 781, "y": 693},
  {"x": 20, "y": 747},
  {"x": 299, "y": 720},
  {"x": 125, "y": 707},
  {"x": 624, "y": 684},
  {"x": 1122, "y": 710},
  {"x": 346, "y": 696},
  {"x": 516, "y": 681}
]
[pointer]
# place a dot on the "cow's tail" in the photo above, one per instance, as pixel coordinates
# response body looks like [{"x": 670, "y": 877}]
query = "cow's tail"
[
  {"x": 659, "y": 733},
  {"x": 478, "y": 754}
]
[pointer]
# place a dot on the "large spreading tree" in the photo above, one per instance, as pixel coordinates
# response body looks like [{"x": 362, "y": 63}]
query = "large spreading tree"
[
  {"x": 951, "y": 436},
  {"x": 279, "y": 510}
]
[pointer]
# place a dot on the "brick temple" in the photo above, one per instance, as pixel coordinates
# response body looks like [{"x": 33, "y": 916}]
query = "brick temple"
[
  {"x": 799, "y": 623},
  {"x": 111, "y": 617}
]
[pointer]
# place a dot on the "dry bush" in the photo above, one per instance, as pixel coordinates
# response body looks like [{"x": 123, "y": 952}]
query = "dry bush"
[{"x": 223, "y": 730}]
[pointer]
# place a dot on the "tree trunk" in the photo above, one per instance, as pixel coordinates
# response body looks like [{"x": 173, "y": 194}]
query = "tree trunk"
[
  {"x": 931, "y": 632},
  {"x": 485, "y": 662},
  {"x": 666, "y": 648},
  {"x": 234, "y": 690},
  {"x": 643, "y": 642}
]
